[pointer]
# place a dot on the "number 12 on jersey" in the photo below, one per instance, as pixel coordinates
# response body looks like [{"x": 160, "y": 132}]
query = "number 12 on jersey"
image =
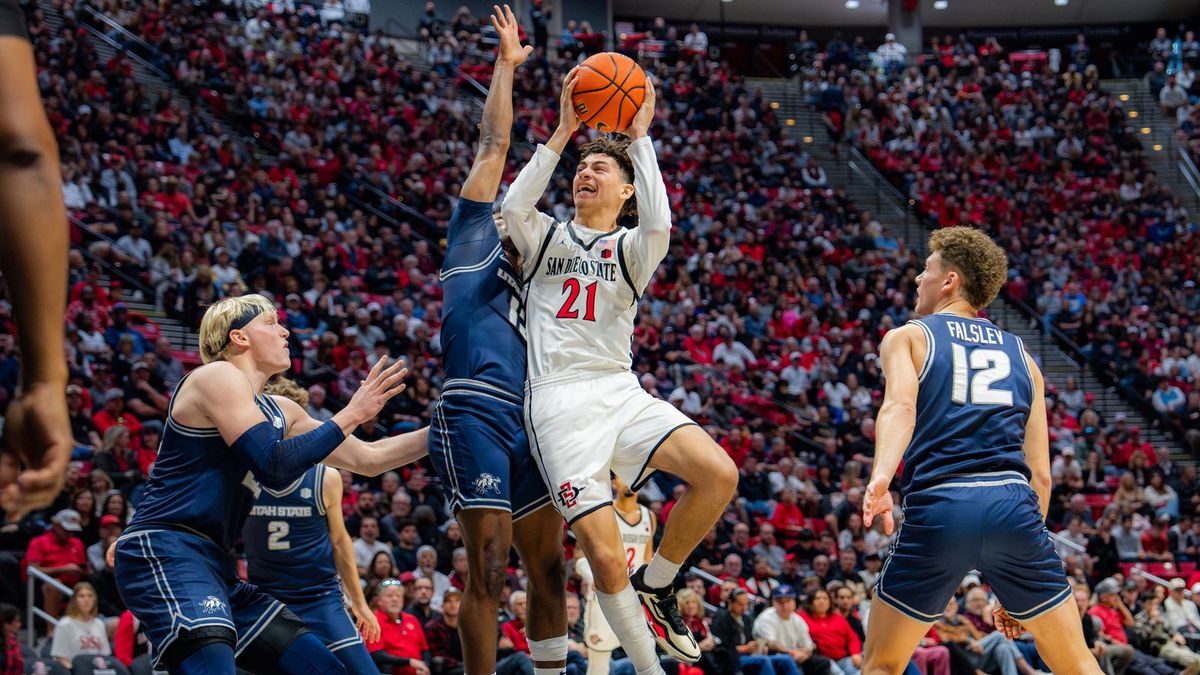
[
  {"x": 980, "y": 371},
  {"x": 571, "y": 288}
]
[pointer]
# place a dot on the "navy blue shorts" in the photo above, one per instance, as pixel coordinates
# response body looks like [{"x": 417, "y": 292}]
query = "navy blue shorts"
[
  {"x": 478, "y": 446},
  {"x": 327, "y": 618},
  {"x": 12, "y": 19},
  {"x": 986, "y": 522},
  {"x": 175, "y": 581}
]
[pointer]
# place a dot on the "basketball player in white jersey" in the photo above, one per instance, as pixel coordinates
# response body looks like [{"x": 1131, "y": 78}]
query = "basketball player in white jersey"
[
  {"x": 585, "y": 413},
  {"x": 637, "y": 525}
]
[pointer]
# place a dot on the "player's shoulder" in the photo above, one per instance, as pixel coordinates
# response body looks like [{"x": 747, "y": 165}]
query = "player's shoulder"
[{"x": 910, "y": 331}]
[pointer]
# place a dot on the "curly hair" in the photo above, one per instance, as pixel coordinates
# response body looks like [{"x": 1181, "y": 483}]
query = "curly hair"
[
  {"x": 282, "y": 386},
  {"x": 981, "y": 262},
  {"x": 618, "y": 149}
]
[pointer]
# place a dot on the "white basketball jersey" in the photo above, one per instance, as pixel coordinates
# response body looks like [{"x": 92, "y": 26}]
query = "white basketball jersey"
[
  {"x": 580, "y": 302},
  {"x": 582, "y": 285},
  {"x": 638, "y": 538}
]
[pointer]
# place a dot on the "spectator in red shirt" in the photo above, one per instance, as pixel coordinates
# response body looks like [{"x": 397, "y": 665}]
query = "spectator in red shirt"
[
  {"x": 401, "y": 648},
  {"x": 835, "y": 638},
  {"x": 1114, "y": 616},
  {"x": 59, "y": 554},
  {"x": 787, "y": 518},
  {"x": 114, "y": 414},
  {"x": 11, "y": 660},
  {"x": 1154, "y": 543},
  {"x": 130, "y": 643},
  {"x": 512, "y": 633}
]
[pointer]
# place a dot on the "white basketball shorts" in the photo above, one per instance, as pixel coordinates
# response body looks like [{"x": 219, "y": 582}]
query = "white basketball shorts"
[{"x": 582, "y": 426}]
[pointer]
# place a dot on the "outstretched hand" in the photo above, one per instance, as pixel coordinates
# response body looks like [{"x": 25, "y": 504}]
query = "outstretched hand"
[
  {"x": 508, "y": 28},
  {"x": 568, "y": 117},
  {"x": 877, "y": 501},
  {"x": 645, "y": 115},
  {"x": 382, "y": 383}
]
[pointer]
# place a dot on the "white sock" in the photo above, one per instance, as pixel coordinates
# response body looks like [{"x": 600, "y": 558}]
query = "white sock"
[
  {"x": 628, "y": 621},
  {"x": 548, "y": 671},
  {"x": 661, "y": 572}
]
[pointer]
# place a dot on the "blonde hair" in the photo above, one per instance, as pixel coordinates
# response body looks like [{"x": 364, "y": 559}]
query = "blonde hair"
[
  {"x": 217, "y": 322},
  {"x": 73, "y": 610},
  {"x": 282, "y": 386},
  {"x": 685, "y": 596}
]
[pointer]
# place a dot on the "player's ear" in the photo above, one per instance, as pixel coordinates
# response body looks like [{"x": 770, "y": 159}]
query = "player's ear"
[{"x": 627, "y": 191}]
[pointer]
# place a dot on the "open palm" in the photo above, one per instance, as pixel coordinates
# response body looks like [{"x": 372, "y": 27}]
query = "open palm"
[{"x": 508, "y": 29}]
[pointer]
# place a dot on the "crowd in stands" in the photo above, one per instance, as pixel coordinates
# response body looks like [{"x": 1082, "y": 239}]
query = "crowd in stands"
[{"x": 327, "y": 184}]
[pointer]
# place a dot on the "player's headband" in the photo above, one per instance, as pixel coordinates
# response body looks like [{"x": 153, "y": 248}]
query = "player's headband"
[{"x": 239, "y": 322}]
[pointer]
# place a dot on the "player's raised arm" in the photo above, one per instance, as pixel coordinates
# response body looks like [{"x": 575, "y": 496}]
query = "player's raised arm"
[
  {"x": 496, "y": 125},
  {"x": 33, "y": 257},
  {"x": 1037, "y": 440},
  {"x": 343, "y": 555},
  {"x": 648, "y": 243},
  {"x": 526, "y": 225},
  {"x": 897, "y": 419}
]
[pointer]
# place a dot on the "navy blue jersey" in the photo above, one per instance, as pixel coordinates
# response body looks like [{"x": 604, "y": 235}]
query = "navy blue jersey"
[
  {"x": 198, "y": 483},
  {"x": 973, "y": 402},
  {"x": 288, "y": 551},
  {"x": 482, "y": 315}
]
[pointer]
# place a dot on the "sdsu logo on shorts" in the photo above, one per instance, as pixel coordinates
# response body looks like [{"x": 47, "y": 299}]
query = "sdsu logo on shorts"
[{"x": 568, "y": 494}]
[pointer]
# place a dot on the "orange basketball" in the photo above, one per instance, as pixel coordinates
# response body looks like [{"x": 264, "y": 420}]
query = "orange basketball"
[{"x": 609, "y": 92}]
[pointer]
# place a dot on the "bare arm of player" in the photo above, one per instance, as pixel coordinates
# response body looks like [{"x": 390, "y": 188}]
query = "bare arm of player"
[
  {"x": 343, "y": 556},
  {"x": 353, "y": 454},
  {"x": 33, "y": 226},
  {"x": 526, "y": 225},
  {"x": 897, "y": 418},
  {"x": 496, "y": 125},
  {"x": 1037, "y": 440}
]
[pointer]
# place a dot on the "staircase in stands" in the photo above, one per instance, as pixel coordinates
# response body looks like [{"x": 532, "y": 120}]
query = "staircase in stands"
[{"x": 867, "y": 187}]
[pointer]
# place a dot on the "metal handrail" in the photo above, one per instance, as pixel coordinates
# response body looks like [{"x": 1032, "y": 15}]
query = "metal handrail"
[
  {"x": 1155, "y": 579},
  {"x": 130, "y": 37},
  {"x": 32, "y": 611},
  {"x": 715, "y": 580},
  {"x": 112, "y": 269}
]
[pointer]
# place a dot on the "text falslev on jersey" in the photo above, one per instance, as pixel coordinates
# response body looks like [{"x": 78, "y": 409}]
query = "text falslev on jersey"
[{"x": 973, "y": 332}]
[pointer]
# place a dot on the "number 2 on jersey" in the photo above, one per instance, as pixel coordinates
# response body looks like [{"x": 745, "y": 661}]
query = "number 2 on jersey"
[
  {"x": 571, "y": 288},
  {"x": 992, "y": 365},
  {"x": 277, "y": 539}
]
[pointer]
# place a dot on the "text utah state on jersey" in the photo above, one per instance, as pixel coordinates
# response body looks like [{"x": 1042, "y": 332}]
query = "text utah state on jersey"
[{"x": 606, "y": 271}]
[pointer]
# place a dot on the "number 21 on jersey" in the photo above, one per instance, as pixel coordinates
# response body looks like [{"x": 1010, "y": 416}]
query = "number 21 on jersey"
[
  {"x": 571, "y": 289},
  {"x": 976, "y": 374}
]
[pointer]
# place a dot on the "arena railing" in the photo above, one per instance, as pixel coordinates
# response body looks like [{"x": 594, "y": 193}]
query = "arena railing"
[
  {"x": 32, "y": 611},
  {"x": 112, "y": 268}
]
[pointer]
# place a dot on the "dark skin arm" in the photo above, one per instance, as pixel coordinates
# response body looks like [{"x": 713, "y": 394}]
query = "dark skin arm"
[
  {"x": 33, "y": 227},
  {"x": 494, "y": 129}
]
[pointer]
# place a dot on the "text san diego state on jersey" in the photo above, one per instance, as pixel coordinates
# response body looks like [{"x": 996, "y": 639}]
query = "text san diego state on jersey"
[
  {"x": 288, "y": 550},
  {"x": 483, "y": 317},
  {"x": 974, "y": 397}
]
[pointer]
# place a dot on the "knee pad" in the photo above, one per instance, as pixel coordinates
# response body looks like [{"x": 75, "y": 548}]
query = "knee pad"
[
  {"x": 191, "y": 641},
  {"x": 262, "y": 655}
]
